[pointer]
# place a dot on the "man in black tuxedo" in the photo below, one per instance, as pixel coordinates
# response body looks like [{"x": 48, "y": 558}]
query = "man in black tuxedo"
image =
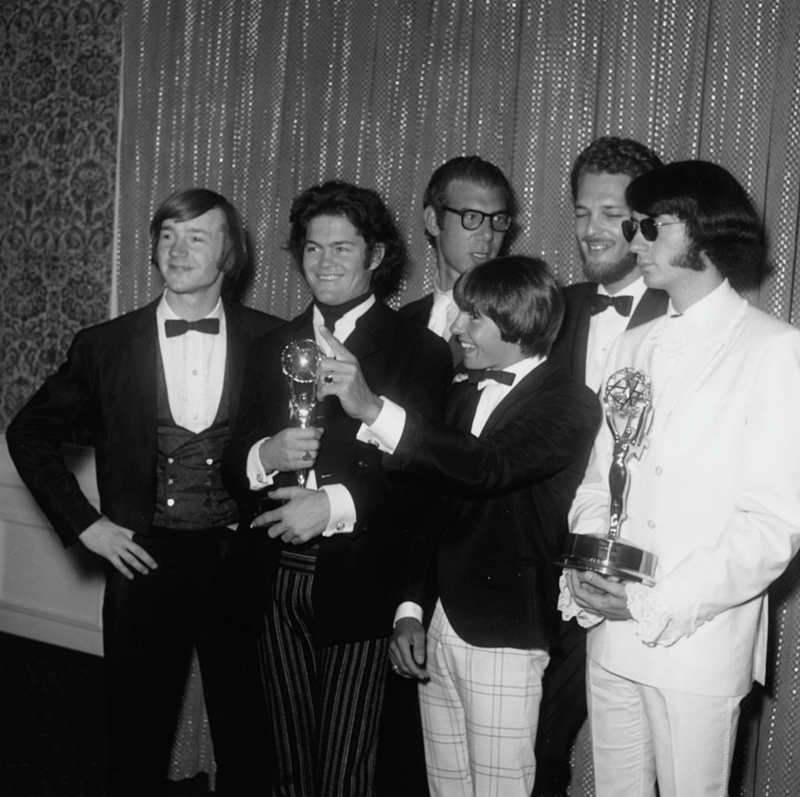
[
  {"x": 507, "y": 466},
  {"x": 468, "y": 210},
  {"x": 333, "y": 549},
  {"x": 158, "y": 389},
  {"x": 613, "y": 299}
]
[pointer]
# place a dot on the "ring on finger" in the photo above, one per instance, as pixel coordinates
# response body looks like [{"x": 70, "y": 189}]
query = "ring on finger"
[{"x": 306, "y": 456}]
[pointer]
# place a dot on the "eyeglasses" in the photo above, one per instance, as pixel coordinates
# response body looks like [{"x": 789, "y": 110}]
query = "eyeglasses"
[
  {"x": 472, "y": 219},
  {"x": 649, "y": 228}
]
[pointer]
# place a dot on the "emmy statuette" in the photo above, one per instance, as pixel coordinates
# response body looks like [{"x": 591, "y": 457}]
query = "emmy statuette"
[{"x": 628, "y": 405}]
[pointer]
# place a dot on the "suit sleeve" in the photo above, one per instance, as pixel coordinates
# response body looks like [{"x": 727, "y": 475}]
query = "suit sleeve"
[
  {"x": 382, "y": 495},
  {"x": 550, "y": 434},
  {"x": 37, "y": 432}
]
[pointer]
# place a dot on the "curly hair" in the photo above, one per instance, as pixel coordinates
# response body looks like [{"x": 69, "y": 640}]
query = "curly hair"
[
  {"x": 613, "y": 155},
  {"x": 368, "y": 214}
]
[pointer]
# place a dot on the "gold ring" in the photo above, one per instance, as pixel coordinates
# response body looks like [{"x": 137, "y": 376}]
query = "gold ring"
[{"x": 306, "y": 456}]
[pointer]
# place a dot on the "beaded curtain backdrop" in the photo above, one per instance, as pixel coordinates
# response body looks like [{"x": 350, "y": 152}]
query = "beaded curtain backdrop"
[{"x": 259, "y": 100}]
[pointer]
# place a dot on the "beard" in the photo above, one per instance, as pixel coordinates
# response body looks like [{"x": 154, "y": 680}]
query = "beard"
[{"x": 608, "y": 273}]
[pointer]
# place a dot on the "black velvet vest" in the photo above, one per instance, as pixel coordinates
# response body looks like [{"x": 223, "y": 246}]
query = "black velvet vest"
[{"x": 189, "y": 492}]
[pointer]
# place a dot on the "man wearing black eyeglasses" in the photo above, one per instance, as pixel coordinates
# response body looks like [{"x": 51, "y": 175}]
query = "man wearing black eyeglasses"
[
  {"x": 613, "y": 298},
  {"x": 468, "y": 209},
  {"x": 714, "y": 494}
]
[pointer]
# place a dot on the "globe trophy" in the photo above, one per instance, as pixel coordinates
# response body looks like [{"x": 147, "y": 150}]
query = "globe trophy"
[
  {"x": 628, "y": 406},
  {"x": 300, "y": 360}
]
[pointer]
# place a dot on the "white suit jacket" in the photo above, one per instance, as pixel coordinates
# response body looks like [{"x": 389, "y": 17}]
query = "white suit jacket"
[{"x": 715, "y": 495}]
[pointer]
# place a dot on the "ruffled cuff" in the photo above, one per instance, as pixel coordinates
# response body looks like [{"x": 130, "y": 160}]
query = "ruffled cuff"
[
  {"x": 651, "y": 616},
  {"x": 570, "y": 609}
]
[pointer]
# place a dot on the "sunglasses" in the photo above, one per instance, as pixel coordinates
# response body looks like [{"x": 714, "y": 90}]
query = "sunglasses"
[{"x": 649, "y": 228}]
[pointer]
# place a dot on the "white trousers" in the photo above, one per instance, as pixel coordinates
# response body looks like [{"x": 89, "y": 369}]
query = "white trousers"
[
  {"x": 642, "y": 735},
  {"x": 479, "y": 715}
]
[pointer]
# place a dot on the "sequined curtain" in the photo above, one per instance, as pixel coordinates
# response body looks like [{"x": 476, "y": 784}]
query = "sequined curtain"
[{"x": 260, "y": 99}]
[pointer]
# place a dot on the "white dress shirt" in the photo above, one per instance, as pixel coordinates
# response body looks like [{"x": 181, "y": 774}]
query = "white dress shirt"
[
  {"x": 443, "y": 312},
  {"x": 194, "y": 369},
  {"x": 343, "y": 511},
  {"x": 604, "y": 329}
]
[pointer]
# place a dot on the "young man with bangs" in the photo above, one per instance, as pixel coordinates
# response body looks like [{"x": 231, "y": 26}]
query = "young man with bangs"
[
  {"x": 715, "y": 495},
  {"x": 158, "y": 390},
  {"x": 482, "y": 577}
]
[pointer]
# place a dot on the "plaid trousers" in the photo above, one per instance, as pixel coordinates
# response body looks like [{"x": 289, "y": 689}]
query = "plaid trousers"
[{"x": 479, "y": 711}]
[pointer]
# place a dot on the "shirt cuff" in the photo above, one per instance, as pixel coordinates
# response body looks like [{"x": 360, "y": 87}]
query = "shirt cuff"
[
  {"x": 408, "y": 609},
  {"x": 386, "y": 431},
  {"x": 343, "y": 510},
  {"x": 256, "y": 475},
  {"x": 651, "y": 616}
]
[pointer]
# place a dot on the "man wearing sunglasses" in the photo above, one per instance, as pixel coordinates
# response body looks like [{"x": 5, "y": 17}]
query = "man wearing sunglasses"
[
  {"x": 468, "y": 209},
  {"x": 714, "y": 494},
  {"x": 613, "y": 299}
]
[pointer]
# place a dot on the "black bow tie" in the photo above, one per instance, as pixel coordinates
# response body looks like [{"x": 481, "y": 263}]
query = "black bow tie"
[
  {"x": 175, "y": 327},
  {"x": 504, "y": 377},
  {"x": 600, "y": 302}
]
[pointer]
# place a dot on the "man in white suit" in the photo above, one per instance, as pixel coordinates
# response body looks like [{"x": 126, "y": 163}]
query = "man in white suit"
[{"x": 715, "y": 495}]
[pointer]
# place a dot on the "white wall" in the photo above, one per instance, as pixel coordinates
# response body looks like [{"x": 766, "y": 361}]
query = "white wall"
[{"x": 47, "y": 593}]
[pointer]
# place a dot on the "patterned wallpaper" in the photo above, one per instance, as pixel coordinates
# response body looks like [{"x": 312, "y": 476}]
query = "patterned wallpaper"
[{"x": 59, "y": 98}]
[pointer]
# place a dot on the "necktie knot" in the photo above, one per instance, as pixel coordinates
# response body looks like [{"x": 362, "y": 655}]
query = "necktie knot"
[
  {"x": 600, "y": 302},
  {"x": 180, "y": 326},
  {"x": 504, "y": 377}
]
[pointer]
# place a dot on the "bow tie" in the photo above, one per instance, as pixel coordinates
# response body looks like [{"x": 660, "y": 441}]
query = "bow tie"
[
  {"x": 600, "y": 302},
  {"x": 504, "y": 377},
  {"x": 175, "y": 327}
]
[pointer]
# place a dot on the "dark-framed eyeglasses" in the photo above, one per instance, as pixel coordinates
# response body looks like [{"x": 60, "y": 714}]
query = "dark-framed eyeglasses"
[
  {"x": 472, "y": 219},
  {"x": 649, "y": 228}
]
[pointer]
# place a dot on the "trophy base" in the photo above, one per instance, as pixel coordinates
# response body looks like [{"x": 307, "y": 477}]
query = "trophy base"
[{"x": 609, "y": 557}]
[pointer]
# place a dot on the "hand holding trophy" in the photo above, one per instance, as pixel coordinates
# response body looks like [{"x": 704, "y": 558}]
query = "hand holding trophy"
[
  {"x": 628, "y": 404},
  {"x": 300, "y": 360}
]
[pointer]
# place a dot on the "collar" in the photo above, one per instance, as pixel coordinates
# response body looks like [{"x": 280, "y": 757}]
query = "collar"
[{"x": 164, "y": 311}]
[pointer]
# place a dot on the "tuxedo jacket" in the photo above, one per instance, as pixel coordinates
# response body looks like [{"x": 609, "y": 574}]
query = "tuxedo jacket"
[
  {"x": 419, "y": 310},
  {"x": 505, "y": 498},
  {"x": 358, "y": 573},
  {"x": 569, "y": 348},
  {"x": 108, "y": 382},
  {"x": 715, "y": 495}
]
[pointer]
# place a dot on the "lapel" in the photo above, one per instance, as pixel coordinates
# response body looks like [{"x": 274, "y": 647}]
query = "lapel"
[
  {"x": 142, "y": 349},
  {"x": 581, "y": 340},
  {"x": 235, "y": 356},
  {"x": 652, "y": 305},
  {"x": 699, "y": 355},
  {"x": 369, "y": 342},
  {"x": 519, "y": 395},
  {"x": 462, "y": 401}
]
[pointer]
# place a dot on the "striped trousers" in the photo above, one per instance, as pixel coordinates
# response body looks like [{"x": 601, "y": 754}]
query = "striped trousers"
[{"x": 325, "y": 700}]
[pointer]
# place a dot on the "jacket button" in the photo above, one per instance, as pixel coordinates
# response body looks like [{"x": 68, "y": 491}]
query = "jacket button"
[{"x": 362, "y": 463}]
